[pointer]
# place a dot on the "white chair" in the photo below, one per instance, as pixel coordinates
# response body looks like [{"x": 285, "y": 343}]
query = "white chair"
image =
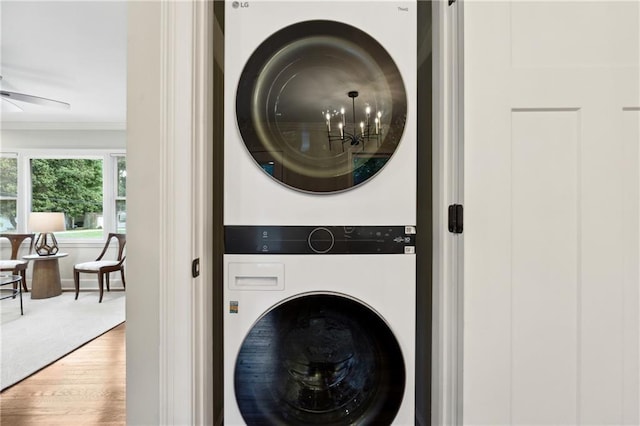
[
  {"x": 16, "y": 265},
  {"x": 103, "y": 267}
]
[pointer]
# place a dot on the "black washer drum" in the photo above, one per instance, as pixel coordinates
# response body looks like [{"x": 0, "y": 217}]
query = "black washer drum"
[{"x": 320, "y": 359}]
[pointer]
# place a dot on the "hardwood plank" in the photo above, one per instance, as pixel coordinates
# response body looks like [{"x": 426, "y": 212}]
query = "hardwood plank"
[{"x": 87, "y": 387}]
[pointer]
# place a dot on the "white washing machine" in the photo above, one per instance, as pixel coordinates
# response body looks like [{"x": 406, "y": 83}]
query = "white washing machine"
[
  {"x": 319, "y": 128},
  {"x": 322, "y": 330},
  {"x": 320, "y": 112}
]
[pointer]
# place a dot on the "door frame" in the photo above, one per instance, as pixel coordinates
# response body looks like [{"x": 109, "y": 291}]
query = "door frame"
[
  {"x": 186, "y": 99},
  {"x": 448, "y": 167}
]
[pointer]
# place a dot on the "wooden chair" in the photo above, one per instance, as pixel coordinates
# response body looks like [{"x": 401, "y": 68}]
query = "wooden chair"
[
  {"x": 103, "y": 267},
  {"x": 15, "y": 265}
]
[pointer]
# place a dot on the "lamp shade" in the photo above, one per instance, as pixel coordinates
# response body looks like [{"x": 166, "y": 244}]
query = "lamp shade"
[{"x": 46, "y": 222}]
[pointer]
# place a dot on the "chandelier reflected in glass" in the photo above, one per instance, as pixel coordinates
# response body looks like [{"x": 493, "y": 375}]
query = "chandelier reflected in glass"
[{"x": 353, "y": 133}]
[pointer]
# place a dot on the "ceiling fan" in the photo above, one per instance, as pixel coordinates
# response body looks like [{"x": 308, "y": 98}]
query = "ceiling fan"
[{"x": 8, "y": 96}]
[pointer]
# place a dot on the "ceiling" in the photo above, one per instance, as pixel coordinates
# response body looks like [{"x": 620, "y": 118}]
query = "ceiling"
[{"x": 71, "y": 51}]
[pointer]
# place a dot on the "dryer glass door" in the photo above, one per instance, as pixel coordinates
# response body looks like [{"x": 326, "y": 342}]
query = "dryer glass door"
[
  {"x": 320, "y": 359},
  {"x": 324, "y": 103}
]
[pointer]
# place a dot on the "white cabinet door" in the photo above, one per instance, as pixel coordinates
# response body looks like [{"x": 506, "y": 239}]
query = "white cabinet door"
[{"x": 552, "y": 223}]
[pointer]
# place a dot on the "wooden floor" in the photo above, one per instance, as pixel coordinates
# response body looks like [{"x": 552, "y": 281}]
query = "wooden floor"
[{"x": 87, "y": 387}]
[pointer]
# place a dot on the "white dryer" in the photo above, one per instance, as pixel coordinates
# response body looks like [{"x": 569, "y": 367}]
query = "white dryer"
[
  {"x": 322, "y": 330},
  {"x": 320, "y": 112}
]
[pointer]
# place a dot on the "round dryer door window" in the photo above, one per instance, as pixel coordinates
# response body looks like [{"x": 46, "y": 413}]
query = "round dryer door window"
[
  {"x": 321, "y": 106},
  {"x": 319, "y": 359}
]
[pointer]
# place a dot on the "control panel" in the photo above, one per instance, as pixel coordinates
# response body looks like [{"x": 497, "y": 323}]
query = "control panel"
[{"x": 320, "y": 239}]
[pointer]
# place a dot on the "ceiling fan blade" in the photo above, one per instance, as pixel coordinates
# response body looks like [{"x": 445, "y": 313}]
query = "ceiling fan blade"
[
  {"x": 33, "y": 99},
  {"x": 13, "y": 105}
]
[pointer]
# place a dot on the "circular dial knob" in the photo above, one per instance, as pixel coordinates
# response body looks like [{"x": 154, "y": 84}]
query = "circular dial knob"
[{"x": 321, "y": 240}]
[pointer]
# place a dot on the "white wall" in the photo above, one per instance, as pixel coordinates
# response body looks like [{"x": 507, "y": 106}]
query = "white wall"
[
  {"x": 143, "y": 186},
  {"x": 62, "y": 139}
]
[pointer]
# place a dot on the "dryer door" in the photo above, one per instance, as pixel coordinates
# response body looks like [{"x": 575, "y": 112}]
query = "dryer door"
[
  {"x": 321, "y": 106},
  {"x": 319, "y": 359}
]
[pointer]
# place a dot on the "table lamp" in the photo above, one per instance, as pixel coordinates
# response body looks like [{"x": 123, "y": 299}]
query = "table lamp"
[{"x": 46, "y": 223}]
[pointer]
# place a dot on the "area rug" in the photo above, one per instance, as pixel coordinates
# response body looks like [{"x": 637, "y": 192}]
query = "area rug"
[{"x": 51, "y": 328}]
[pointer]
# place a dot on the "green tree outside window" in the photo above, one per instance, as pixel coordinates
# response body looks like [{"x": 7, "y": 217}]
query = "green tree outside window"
[{"x": 71, "y": 186}]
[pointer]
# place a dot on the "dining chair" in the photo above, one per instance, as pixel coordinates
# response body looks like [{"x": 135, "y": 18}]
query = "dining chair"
[
  {"x": 15, "y": 264},
  {"x": 103, "y": 267}
]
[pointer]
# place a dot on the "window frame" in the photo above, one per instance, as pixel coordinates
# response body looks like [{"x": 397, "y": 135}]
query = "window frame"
[
  {"x": 117, "y": 197},
  {"x": 14, "y": 155},
  {"x": 109, "y": 187}
]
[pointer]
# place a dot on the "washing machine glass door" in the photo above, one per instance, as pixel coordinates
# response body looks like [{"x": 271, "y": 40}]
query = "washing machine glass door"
[
  {"x": 321, "y": 106},
  {"x": 319, "y": 359}
]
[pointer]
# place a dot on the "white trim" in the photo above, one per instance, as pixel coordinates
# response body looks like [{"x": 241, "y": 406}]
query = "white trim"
[
  {"x": 66, "y": 153},
  {"x": 447, "y": 187},
  {"x": 176, "y": 286},
  {"x": 202, "y": 229},
  {"x": 456, "y": 49},
  {"x": 62, "y": 126}
]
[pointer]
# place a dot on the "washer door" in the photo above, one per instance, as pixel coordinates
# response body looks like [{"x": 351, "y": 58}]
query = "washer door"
[
  {"x": 319, "y": 359},
  {"x": 321, "y": 106}
]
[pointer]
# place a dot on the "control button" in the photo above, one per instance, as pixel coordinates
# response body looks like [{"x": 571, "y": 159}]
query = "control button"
[{"x": 321, "y": 240}]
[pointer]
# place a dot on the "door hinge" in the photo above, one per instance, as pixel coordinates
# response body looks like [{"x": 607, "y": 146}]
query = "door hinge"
[{"x": 456, "y": 218}]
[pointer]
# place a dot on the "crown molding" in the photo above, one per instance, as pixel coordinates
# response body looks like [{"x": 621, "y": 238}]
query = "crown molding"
[{"x": 19, "y": 125}]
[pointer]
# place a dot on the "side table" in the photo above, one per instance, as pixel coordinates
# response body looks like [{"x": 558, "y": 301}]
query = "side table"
[{"x": 45, "y": 282}]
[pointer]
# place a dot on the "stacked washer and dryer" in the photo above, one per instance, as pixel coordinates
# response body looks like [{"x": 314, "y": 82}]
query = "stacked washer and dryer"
[{"x": 319, "y": 212}]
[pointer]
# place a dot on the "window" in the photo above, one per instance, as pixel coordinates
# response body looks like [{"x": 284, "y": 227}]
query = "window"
[
  {"x": 72, "y": 186},
  {"x": 8, "y": 193},
  {"x": 121, "y": 194},
  {"x": 88, "y": 187}
]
